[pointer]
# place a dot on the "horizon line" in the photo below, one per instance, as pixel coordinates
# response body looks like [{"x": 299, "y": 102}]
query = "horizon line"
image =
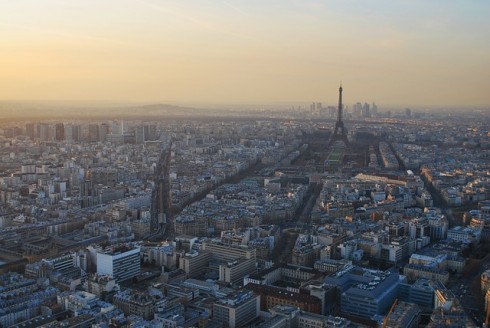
[{"x": 131, "y": 103}]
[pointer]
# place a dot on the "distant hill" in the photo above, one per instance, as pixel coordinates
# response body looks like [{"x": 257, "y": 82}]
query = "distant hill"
[
  {"x": 162, "y": 109},
  {"x": 12, "y": 110}
]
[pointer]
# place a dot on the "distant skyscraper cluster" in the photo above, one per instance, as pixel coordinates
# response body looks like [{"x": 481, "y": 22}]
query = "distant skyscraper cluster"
[
  {"x": 358, "y": 110},
  {"x": 92, "y": 132},
  {"x": 364, "y": 110}
]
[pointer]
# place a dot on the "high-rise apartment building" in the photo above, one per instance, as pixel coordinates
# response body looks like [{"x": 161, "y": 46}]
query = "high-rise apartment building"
[
  {"x": 93, "y": 132},
  {"x": 59, "y": 132},
  {"x": 31, "y": 130},
  {"x": 45, "y": 132},
  {"x": 76, "y": 131},
  {"x": 103, "y": 132}
]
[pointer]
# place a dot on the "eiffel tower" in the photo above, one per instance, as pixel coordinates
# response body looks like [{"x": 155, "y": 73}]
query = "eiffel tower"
[{"x": 340, "y": 131}]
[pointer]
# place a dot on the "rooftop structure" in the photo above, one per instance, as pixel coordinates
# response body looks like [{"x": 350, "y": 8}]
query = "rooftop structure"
[{"x": 365, "y": 293}]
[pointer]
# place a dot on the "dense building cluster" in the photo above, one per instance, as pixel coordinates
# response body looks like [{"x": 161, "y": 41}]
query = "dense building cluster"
[{"x": 268, "y": 232}]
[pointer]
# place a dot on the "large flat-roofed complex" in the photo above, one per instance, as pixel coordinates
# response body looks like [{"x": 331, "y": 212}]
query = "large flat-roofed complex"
[
  {"x": 363, "y": 292},
  {"x": 121, "y": 262}
]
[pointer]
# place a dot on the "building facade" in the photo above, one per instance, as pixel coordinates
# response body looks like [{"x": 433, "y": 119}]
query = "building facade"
[
  {"x": 237, "y": 310},
  {"x": 121, "y": 262}
]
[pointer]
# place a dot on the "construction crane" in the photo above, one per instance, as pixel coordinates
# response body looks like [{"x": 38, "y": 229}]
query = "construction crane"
[{"x": 385, "y": 321}]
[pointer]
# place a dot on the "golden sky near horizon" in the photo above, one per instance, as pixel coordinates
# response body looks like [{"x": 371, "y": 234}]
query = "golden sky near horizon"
[{"x": 396, "y": 52}]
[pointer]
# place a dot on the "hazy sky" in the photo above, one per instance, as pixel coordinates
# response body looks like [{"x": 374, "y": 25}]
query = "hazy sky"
[{"x": 396, "y": 52}]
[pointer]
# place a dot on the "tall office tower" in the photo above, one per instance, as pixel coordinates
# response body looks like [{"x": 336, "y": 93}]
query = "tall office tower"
[
  {"x": 358, "y": 109},
  {"x": 76, "y": 133},
  {"x": 116, "y": 128},
  {"x": 59, "y": 132},
  {"x": 365, "y": 110},
  {"x": 37, "y": 131},
  {"x": 340, "y": 132},
  {"x": 93, "y": 132},
  {"x": 122, "y": 262},
  {"x": 69, "y": 132},
  {"x": 150, "y": 132},
  {"x": 374, "y": 110},
  {"x": 312, "y": 107},
  {"x": 139, "y": 134},
  {"x": 45, "y": 132},
  {"x": 237, "y": 310},
  {"x": 30, "y": 130},
  {"x": 103, "y": 132}
]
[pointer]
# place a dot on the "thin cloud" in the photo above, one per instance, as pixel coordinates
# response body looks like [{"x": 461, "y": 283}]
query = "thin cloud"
[
  {"x": 65, "y": 34},
  {"x": 197, "y": 22},
  {"x": 228, "y": 4}
]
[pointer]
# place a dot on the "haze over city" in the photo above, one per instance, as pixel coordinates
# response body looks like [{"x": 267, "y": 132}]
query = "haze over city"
[
  {"x": 244, "y": 164},
  {"x": 397, "y": 53}
]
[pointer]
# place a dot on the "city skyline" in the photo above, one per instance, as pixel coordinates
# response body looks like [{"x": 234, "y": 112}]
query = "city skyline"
[{"x": 397, "y": 53}]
